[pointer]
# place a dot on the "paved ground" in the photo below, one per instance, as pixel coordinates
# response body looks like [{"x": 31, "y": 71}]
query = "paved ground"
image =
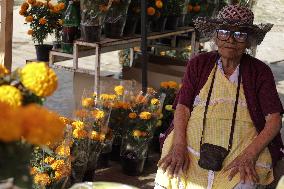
[{"x": 271, "y": 51}]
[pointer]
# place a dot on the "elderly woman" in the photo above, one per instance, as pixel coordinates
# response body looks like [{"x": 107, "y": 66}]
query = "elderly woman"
[{"x": 228, "y": 113}]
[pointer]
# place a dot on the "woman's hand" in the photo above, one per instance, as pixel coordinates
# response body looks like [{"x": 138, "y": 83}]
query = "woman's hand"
[
  {"x": 176, "y": 161},
  {"x": 245, "y": 165}
]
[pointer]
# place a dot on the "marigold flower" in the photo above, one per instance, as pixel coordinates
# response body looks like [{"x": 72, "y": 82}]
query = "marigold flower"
[
  {"x": 61, "y": 5},
  {"x": 56, "y": 9},
  {"x": 94, "y": 135},
  {"x": 11, "y": 95},
  {"x": 50, "y": 129},
  {"x": 30, "y": 32},
  {"x": 49, "y": 160},
  {"x": 32, "y": 2},
  {"x": 106, "y": 97},
  {"x": 39, "y": 78},
  {"x": 155, "y": 101},
  {"x": 42, "y": 179},
  {"x": 22, "y": 12},
  {"x": 102, "y": 137},
  {"x": 164, "y": 84},
  {"x": 38, "y": 4},
  {"x": 33, "y": 171},
  {"x": 151, "y": 11},
  {"x": 159, "y": 4},
  {"x": 137, "y": 133},
  {"x": 3, "y": 70},
  {"x": 145, "y": 115},
  {"x": 63, "y": 150},
  {"x": 65, "y": 120},
  {"x": 87, "y": 102},
  {"x": 132, "y": 115},
  {"x": 10, "y": 123},
  {"x": 57, "y": 164},
  {"x": 173, "y": 84},
  {"x": 42, "y": 21},
  {"x": 98, "y": 114},
  {"x": 60, "y": 22},
  {"x": 24, "y": 6},
  {"x": 119, "y": 90},
  {"x": 29, "y": 18},
  {"x": 80, "y": 133},
  {"x": 81, "y": 113},
  {"x": 63, "y": 172},
  {"x": 78, "y": 125}
]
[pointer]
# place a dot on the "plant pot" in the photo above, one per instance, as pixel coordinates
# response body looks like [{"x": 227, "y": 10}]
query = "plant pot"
[
  {"x": 115, "y": 153},
  {"x": 181, "y": 20},
  {"x": 149, "y": 26},
  {"x": 159, "y": 24},
  {"x": 130, "y": 26},
  {"x": 131, "y": 165},
  {"x": 91, "y": 33},
  {"x": 115, "y": 29},
  {"x": 172, "y": 22},
  {"x": 42, "y": 52},
  {"x": 103, "y": 161}
]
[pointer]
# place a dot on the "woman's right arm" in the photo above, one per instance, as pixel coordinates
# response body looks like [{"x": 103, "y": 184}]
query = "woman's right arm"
[{"x": 177, "y": 159}]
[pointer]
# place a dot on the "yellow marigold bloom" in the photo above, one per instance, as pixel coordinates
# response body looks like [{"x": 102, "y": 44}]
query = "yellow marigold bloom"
[
  {"x": 94, "y": 135},
  {"x": 87, "y": 102},
  {"x": 137, "y": 133},
  {"x": 49, "y": 160},
  {"x": 29, "y": 18},
  {"x": 39, "y": 78},
  {"x": 65, "y": 120},
  {"x": 159, "y": 4},
  {"x": 151, "y": 90},
  {"x": 119, "y": 90},
  {"x": 132, "y": 115},
  {"x": 50, "y": 129},
  {"x": 107, "y": 97},
  {"x": 169, "y": 107},
  {"x": 24, "y": 6},
  {"x": 164, "y": 84},
  {"x": 3, "y": 70},
  {"x": 98, "y": 114},
  {"x": 63, "y": 172},
  {"x": 155, "y": 101},
  {"x": 57, "y": 164},
  {"x": 22, "y": 12},
  {"x": 11, "y": 95},
  {"x": 61, "y": 6},
  {"x": 173, "y": 84},
  {"x": 81, "y": 113},
  {"x": 102, "y": 137},
  {"x": 42, "y": 21},
  {"x": 10, "y": 123},
  {"x": 145, "y": 115},
  {"x": 33, "y": 171},
  {"x": 78, "y": 125},
  {"x": 56, "y": 9},
  {"x": 32, "y": 2},
  {"x": 80, "y": 133},
  {"x": 42, "y": 179},
  {"x": 63, "y": 150}
]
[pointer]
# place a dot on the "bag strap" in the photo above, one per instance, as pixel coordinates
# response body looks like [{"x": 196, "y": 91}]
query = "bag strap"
[{"x": 235, "y": 109}]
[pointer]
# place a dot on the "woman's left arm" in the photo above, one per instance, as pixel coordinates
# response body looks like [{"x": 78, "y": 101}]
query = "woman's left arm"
[{"x": 245, "y": 163}]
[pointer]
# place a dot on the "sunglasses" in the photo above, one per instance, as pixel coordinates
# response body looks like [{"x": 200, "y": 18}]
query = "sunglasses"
[{"x": 239, "y": 36}]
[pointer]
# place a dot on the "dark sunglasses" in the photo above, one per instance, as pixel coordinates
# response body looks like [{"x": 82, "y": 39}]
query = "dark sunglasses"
[{"x": 239, "y": 36}]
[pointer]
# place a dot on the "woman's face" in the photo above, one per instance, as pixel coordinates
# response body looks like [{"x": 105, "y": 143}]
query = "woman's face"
[{"x": 231, "y": 48}]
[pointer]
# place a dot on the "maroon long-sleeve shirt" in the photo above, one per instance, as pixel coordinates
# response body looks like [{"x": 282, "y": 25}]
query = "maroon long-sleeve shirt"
[{"x": 259, "y": 88}]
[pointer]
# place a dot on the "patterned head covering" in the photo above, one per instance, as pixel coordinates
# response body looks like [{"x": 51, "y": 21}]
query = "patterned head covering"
[{"x": 233, "y": 16}]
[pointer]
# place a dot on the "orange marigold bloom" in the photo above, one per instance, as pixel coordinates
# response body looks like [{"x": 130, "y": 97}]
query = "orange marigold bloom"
[
  {"x": 159, "y": 4},
  {"x": 42, "y": 21},
  {"x": 29, "y": 18},
  {"x": 61, "y": 6},
  {"x": 132, "y": 115},
  {"x": 151, "y": 11},
  {"x": 22, "y": 12},
  {"x": 30, "y": 32},
  {"x": 32, "y": 2},
  {"x": 24, "y": 6}
]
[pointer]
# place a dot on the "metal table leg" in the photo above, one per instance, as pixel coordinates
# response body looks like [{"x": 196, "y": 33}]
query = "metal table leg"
[{"x": 97, "y": 69}]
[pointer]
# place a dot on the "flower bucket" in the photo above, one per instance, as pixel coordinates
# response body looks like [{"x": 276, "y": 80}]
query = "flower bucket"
[
  {"x": 181, "y": 21},
  {"x": 130, "y": 26},
  {"x": 42, "y": 52},
  {"x": 172, "y": 22},
  {"x": 159, "y": 24},
  {"x": 132, "y": 165},
  {"x": 115, "y": 29},
  {"x": 91, "y": 33}
]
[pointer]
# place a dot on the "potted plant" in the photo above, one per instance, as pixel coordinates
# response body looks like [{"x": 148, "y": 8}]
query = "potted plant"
[
  {"x": 139, "y": 132},
  {"x": 116, "y": 18},
  {"x": 43, "y": 19},
  {"x": 93, "y": 14},
  {"x": 133, "y": 17},
  {"x": 157, "y": 14},
  {"x": 176, "y": 9}
]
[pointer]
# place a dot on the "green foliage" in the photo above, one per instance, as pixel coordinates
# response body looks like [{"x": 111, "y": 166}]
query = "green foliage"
[{"x": 177, "y": 7}]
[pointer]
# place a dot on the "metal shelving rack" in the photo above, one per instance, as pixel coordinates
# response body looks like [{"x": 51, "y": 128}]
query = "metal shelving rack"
[{"x": 108, "y": 45}]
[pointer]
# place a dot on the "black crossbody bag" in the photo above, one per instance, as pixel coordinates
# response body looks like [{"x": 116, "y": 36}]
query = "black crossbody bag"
[{"x": 212, "y": 156}]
